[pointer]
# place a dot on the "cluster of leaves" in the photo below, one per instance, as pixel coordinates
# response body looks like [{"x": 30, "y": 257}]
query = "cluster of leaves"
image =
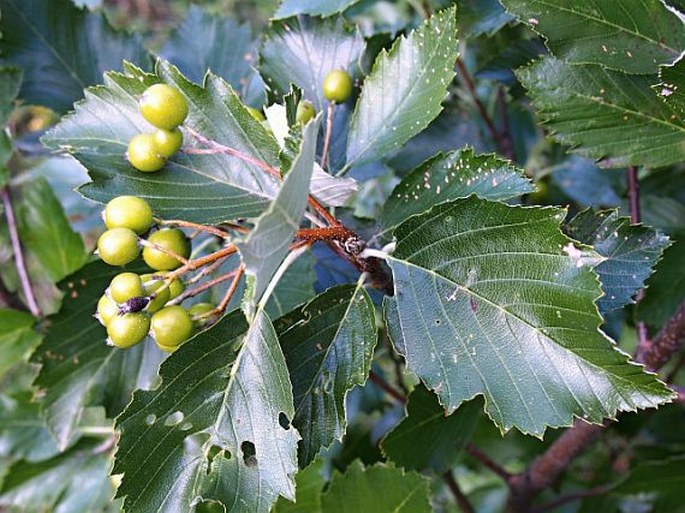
[{"x": 500, "y": 303}]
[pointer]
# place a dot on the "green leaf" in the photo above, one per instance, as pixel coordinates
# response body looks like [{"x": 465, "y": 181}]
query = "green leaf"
[
  {"x": 10, "y": 82},
  {"x": 312, "y": 7},
  {"x": 630, "y": 253},
  {"x": 494, "y": 300},
  {"x": 23, "y": 433},
  {"x": 217, "y": 427},
  {"x": 308, "y": 486},
  {"x": 62, "y": 49},
  {"x": 328, "y": 345},
  {"x": 78, "y": 368},
  {"x": 403, "y": 92},
  {"x": 268, "y": 243},
  {"x": 625, "y": 35},
  {"x": 606, "y": 114},
  {"x": 226, "y": 47},
  {"x": 229, "y": 187},
  {"x": 672, "y": 85},
  {"x": 478, "y": 17},
  {"x": 296, "y": 287},
  {"x": 377, "y": 489},
  {"x": 72, "y": 482},
  {"x": 661, "y": 481},
  {"x": 426, "y": 438},
  {"x": 46, "y": 231},
  {"x": 303, "y": 50},
  {"x": 666, "y": 287},
  {"x": 446, "y": 177},
  {"x": 17, "y": 338}
]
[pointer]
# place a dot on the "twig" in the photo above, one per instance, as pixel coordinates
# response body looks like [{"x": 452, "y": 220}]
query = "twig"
[
  {"x": 486, "y": 461},
  {"x": 667, "y": 342},
  {"x": 162, "y": 249},
  {"x": 462, "y": 501},
  {"x": 571, "y": 497},
  {"x": 202, "y": 261},
  {"x": 200, "y": 227},
  {"x": 18, "y": 254},
  {"x": 329, "y": 132},
  {"x": 231, "y": 290},
  {"x": 383, "y": 385},
  {"x": 201, "y": 288}
]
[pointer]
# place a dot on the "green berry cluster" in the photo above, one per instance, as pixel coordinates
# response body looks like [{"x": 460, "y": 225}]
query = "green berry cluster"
[
  {"x": 165, "y": 108},
  {"x": 134, "y": 305}
]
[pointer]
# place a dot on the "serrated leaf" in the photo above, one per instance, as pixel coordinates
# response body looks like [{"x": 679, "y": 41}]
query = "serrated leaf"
[
  {"x": 606, "y": 114},
  {"x": 446, "y": 177},
  {"x": 303, "y": 50},
  {"x": 268, "y": 243},
  {"x": 217, "y": 427},
  {"x": 78, "y": 368},
  {"x": 666, "y": 287},
  {"x": 630, "y": 253},
  {"x": 404, "y": 90},
  {"x": 296, "y": 287},
  {"x": 672, "y": 86},
  {"x": 23, "y": 433},
  {"x": 426, "y": 438},
  {"x": 226, "y": 47},
  {"x": 45, "y": 230},
  {"x": 72, "y": 482},
  {"x": 588, "y": 185},
  {"x": 494, "y": 300},
  {"x": 62, "y": 49},
  {"x": 334, "y": 191},
  {"x": 377, "y": 489},
  {"x": 312, "y": 7},
  {"x": 97, "y": 134},
  {"x": 625, "y": 35},
  {"x": 10, "y": 82},
  {"x": 17, "y": 338},
  {"x": 661, "y": 481},
  {"x": 328, "y": 346},
  {"x": 308, "y": 486}
]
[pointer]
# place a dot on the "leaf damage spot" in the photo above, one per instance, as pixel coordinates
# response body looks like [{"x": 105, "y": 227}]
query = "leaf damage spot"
[
  {"x": 249, "y": 453},
  {"x": 284, "y": 421}
]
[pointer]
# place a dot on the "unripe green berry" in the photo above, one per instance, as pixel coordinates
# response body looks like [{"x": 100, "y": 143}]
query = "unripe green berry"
[
  {"x": 337, "y": 86},
  {"x": 171, "y": 239},
  {"x": 171, "y": 326},
  {"x": 143, "y": 154},
  {"x": 176, "y": 288},
  {"x": 124, "y": 286},
  {"x": 163, "y": 106},
  {"x": 153, "y": 286},
  {"x": 168, "y": 142},
  {"x": 305, "y": 112},
  {"x": 128, "y": 212},
  {"x": 127, "y": 330},
  {"x": 107, "y": 310},
  {"x": 257, "y": 114},
  {"x": 197, "y": 310},
  {"x": 118, "y": 246}
]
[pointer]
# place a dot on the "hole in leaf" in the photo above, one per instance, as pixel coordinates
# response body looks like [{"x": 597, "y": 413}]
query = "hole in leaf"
[
  {"x": 249, "y": 453},
  {"x": 284, "y": 421},
  {"x": 150, "y": 419},
  {"x": 437, "y": 322},
  {"x": 174, "y": 419}
]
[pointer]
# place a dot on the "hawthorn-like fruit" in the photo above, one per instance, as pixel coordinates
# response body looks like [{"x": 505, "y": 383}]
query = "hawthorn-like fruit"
[
  {"x": 128, "y": 212},
  {"x": 337, "y": 86},
  {"x": 176, "y": 288},
  {"x": 168, "y": 142},
  {"x": 171, "y": 239},
  {"x": 163, "y": 106},
  {"x": 143, "y": 154},
  {"x": 153, "y": 286},
  {"x": 305, "y": 112},
  {"x": 107, "y": 310},
  {"x": 171, "y": 326},
  {"x": 124, "y": 286},
  {"x": 127, "y": 330},
  {"x": 118, "y": 246}
]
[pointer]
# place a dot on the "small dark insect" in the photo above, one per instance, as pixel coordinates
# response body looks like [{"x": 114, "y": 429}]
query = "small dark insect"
[{"x": 135, "y": 304}]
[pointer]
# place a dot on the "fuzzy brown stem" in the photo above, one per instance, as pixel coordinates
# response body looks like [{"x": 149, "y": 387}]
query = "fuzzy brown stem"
[
  {"x": 383, "y": 385},
  {"x": 459, "y": 496}
]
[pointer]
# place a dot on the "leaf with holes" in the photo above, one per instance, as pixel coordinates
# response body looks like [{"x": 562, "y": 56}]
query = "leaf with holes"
[
  {"x": 449, "y": 176},
  {"x": 671, "y": 89},
  {"x": 404, "y": 91},
  {"x": 634, "y": 36},
  {"x": 77, "y": 368},
  {"x": 377, "y": 488},
  {"x": 62, "y": 49},
  {"x": 494, "y": 300},
  {"x": 217, "y": 427},
  {"x": 630, "y": 254},
  {"x": 606, "y": 114},
  {"x": 206, "y": 188},
  {"x": 328, "y": 345}
]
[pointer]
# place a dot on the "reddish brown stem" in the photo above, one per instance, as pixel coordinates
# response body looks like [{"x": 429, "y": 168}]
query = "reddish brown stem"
[
  {"x": 205, "y": 286},
  {"x": 486, "y": 461},
  {"x": 383, "y": 385},
  {"x": 667, "y": 342},
  {"x": 193, "y": 265},
  {"x": 231, "y": 290},
  {"x": 459, "y": 496},
  {"x": 201, "y": 227},
  {"x": 164, "y": 250}
]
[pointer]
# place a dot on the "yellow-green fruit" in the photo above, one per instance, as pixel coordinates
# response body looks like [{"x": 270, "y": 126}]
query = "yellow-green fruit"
[
  {"x": 118, "y": 246},
  {"x": 152, "y": 286},
  {"x": 305, "y": 112},
  {"x": 337, "y": 86},
  {"x": 196, "y": 312},
  {"x": 128, "y": 212},
  {"x": 171, "y": 326},
  {"x": 163, "y": 106},
  {"x": 176, "y": 288},
  {"x": 167, "y": 349},
  {"x": 124, "y": 286},
  {"x": 257, "y": 114},
  {"x": 127, "y": 330},
  {"x": 143, "y": 154},
  {"x": 168, "y": 142},
  {"x": 171, "y": 239},
  {"x": 107, "y": 310}
]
